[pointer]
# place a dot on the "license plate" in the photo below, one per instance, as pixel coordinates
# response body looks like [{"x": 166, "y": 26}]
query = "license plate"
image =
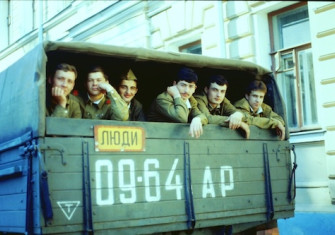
[{"x": 119, "y": 138}]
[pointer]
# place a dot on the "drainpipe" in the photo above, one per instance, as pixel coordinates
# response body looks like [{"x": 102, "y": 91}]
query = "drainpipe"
[{"x": 222, "y": 42}]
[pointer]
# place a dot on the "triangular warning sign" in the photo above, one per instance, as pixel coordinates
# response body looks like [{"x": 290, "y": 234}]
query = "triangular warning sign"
[{"x": 68, "y": 207}]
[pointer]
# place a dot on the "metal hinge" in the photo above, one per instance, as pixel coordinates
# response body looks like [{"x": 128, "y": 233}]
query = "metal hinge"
[
  {"x": 29, "y": 149},
  {"x": 56, "y": 147}
]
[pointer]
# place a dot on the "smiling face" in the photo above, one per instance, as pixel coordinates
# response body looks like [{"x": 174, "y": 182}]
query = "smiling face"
[
  {"x": 255, "y": 99},
  {"x": 64, "y": 80},
  {"x": 186, "y": 89},
  {"x": 127, "y": 90},
  {"x": 92, "y": 82},
  {"x": 215, "y": 94}
]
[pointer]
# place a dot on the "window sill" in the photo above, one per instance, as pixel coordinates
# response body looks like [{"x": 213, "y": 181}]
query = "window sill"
[{"x": 307, "y": 136}]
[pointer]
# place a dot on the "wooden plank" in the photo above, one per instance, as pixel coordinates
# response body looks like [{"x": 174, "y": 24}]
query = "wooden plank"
[
  {"x": 236, "y": 203},
  {"x": 11, "y": 156},
  {"x": 13, "y": 185},
  {"x": 13, "y": 202},
  {"x": 231, "y": 206},
  {"x": 242, "y": 178},
  {"x": 84, "y": 127},
  {"x": 72, "y": 147},
  {"x": 212, "y": 148},
  {"x": 14, "y": 218},
  {"x": 117, "y": 195}
]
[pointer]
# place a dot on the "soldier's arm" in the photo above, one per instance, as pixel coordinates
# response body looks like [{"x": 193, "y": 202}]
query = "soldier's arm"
[
  {"x": 173, "y": 108},
  {"x": 212, "y": 119},
  {"x": 118, "y": 107},
  {"x": 60, "y": 111}
]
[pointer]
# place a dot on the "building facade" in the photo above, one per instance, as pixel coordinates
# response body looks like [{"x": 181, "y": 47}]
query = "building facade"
[{"x": 292, "y": 38}]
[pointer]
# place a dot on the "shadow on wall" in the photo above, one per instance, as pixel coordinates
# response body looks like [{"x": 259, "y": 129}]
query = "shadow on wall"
[{"x": 308, "y": 224}]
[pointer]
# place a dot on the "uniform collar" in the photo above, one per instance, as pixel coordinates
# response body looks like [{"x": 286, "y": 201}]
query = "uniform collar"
[
  {"x": 260, "y": 110},
  {"x": 188, "y": 104},
  {"x": 97, "y": 101},
  {"x": 212, "y": 108}
]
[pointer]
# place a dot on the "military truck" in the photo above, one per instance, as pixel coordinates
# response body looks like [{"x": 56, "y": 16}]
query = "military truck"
[{"x": 82, "y": 176}]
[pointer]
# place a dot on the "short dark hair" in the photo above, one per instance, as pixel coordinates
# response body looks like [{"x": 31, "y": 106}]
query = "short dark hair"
[
  {"x": 218, "y": 79},
  {"x": 186, "y": 74},
  {"x": 256, "y": 85},
  {"x": 96, "y": 69},
  {"x": 64, "y": 67}
]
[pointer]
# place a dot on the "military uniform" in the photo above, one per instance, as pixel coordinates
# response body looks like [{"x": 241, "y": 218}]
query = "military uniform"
[
  {"x": 136, "y": 111},
  {"x": 72, "y": 109},
  {"x": 217, "y": 115},
  {"x": 167, "y": 109},
  {"x": 111, "y": 107},
  {"x": 265, "y": 119}
]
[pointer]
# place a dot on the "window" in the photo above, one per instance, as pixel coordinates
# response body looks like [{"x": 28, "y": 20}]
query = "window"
[
  {"x": 193, "y": 48},
  {"x": 52, "y": 8},
  {"x": 4, "y": 21},
  {"x": 293, "y": 65},
  {"x": 20, "y": 19}
]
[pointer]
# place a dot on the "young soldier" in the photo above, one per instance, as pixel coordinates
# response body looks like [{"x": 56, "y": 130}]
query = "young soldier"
[
  {"x": 258, "y": 113},
  {"x": 217, "y": 108},
  {"x": 177, "y": 104},
  {"x": 59, "y": 102},
  {"x": 102, "y": 100},
  {"x": 127, "y": 89}
]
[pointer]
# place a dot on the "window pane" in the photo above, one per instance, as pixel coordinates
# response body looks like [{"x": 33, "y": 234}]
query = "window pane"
[
  {"x": 21, "y": 15},
  {"x": 291, "y": 31},
  {"x": 54, "y": 7},
  {"x": 290, "y": 24},
  {"x": 308, "y": 98},
  {"x": 287, "y": 86},
  {"x": 4, "y": 13},
  {"x": 193, "y": 48},
  {"x": 287, "y": 62},
  {"x": 196, "y": 49}
]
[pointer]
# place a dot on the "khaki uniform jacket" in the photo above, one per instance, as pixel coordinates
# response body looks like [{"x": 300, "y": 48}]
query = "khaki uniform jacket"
[
  {"x": 136, "y": 111},
  {"x": 111, "y": 107},
  {"x": 266, "y": 119},
  {"x": 215, "y": 115},
  {"x": 72, "y": 109},
  {"x": 167, "y": 109}
]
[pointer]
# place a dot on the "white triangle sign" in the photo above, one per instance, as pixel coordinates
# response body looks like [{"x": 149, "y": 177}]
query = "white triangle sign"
[{"x": 68, "y": 207}]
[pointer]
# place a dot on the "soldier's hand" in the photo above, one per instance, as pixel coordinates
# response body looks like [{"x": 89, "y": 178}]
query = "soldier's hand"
[
  {"x": 246, "y": 129},
  {"x": 280, "y": 129},
  {"x": 196, "y": 127},
  {"x": 59, "y": 96},
  {"x": 235, "y": 120},
  {"x": 173, "y": 91},
  {"x": 106, "y": 86}
]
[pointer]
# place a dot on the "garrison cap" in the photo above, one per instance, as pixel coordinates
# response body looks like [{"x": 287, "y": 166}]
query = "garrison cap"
[{"x": 130, "y": 75}]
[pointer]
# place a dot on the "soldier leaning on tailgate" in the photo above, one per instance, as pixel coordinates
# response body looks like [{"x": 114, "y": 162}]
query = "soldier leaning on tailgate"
[
  {"x": 60, "y": 102},
  {"x": 258, "y": 113},
  {"x": 177, "y": 104},
  {"x": 127, "y": 89},
  {"x": 101, "y": 100},
  {"x": 217, "y": 108}
]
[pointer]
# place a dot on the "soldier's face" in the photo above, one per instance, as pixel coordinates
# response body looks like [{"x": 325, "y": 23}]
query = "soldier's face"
[
  {"x": 64, "y": 80},
  {"x": 255, "y": 99},
  {"x": 186, "y": 89},
  {"x": 92, "y": 82},
  {"x": 216, "y": 93},
  {"x": 127, "y": 90}
]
